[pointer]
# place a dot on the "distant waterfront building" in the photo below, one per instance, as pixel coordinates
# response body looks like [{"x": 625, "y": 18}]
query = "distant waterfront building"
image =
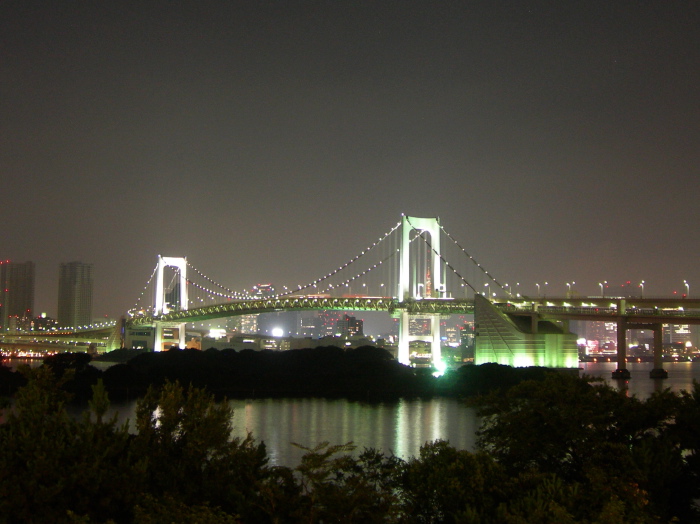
[
  {"x": 263, "y": 291},
  {"x": 16, "y": 294},
  {"x": 677, "y": 334},
  {"x": 350, "y": 326},
  {"x": 599, "y": 335},
  {"x": 328, "y": 323},
  {"x": 43, "y": 323},
  {"x": 75, "y": 294},
  {"x": 419, "y": 326},
  {"x": 307, "y": 324},
  {"x": 467, "y": 341},
  {"x": 248, "y": 324}
]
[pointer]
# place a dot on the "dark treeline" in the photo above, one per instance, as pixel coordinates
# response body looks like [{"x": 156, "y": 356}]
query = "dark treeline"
[
  {"x": 365, "y": 372},
  {"x": 555, "y": 450}
]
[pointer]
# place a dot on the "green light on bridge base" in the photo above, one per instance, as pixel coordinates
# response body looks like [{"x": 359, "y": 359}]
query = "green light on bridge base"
[
  {"x": 440, "y": 368},
  {"x": 520, "y": 342}
]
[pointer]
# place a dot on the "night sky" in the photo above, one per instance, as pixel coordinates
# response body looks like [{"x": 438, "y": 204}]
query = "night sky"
[{"x": 273, "y": 141}]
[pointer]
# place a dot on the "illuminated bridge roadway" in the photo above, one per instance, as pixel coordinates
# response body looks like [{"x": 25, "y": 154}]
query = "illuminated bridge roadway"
[
  {"x": 628, "y": 313},
  {"x": 645, "y": 310}
]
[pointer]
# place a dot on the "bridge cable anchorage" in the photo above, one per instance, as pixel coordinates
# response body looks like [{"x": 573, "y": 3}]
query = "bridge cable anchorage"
[
  {"x": 335, "y": 272},
  {"x": 473, "y": 260},
  {"x": 135, "y": 308},
  {"x": 500, "y": 335}
]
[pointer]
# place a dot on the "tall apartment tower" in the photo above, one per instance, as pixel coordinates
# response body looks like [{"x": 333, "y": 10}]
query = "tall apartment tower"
[
  {"x": 74, "y": 294},
  {"x": 16, "y": 294}
]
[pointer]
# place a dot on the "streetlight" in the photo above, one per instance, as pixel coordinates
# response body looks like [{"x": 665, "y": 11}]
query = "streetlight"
[
  {"x": 603, "y": 285},
  {"x": 568, "y": 289},
  {"x": 488, "y": 290},
  {"x": 687, "y": 288},
  {"x": 641, "y": 284},
  {"x": 538, "y": 289}
]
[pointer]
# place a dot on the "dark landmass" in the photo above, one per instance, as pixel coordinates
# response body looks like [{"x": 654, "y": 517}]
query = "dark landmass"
[
  {"x": 120, "y": 355},
  {"x": 557, "y": 450},
  {"x": 366, "y": 372}
]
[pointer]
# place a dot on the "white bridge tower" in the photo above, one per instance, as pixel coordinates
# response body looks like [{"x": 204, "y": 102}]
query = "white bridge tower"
[
  {"x": 410, "y": 286},
  {"x": 175, "y": 330}
]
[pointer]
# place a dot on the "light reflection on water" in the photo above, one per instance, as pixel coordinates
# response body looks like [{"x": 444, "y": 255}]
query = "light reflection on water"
[
  {"x": 398, "y": 427},
  {"x": 14, "y": 363}
]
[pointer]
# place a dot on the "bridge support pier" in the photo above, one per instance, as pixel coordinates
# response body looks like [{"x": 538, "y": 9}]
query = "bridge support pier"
[
  {"x": 405, "y": 338},
  {"x": 623, "y": 324},
  {"x": 169, "y": 333},
  {"x": 658, "y": 371},
  {"x": 621, "y": 371},
  {"x": 404, "y": 347}
]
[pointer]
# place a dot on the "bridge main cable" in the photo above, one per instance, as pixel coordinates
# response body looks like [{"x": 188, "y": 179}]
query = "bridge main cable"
[
  {"x": 493, "y": 279},
  {"x": 233, "y": 294},
  {"x": 335, "y": 272},
  {"x": 148, "y": 283}
]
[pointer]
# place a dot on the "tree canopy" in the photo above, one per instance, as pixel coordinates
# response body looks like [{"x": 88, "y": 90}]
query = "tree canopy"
[{"x": 555, "y": 450}]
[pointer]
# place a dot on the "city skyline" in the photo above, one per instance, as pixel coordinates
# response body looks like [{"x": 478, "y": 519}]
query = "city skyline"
[{"x": 272, "y": 142}]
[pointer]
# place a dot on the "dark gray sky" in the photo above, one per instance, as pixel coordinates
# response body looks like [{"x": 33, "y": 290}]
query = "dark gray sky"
[{"x": 272, "y": 141}]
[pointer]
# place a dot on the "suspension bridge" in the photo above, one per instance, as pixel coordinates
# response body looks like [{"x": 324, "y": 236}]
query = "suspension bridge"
[
  {"x": 416, "y": 270},
  {"x": 406, "y": 272}
]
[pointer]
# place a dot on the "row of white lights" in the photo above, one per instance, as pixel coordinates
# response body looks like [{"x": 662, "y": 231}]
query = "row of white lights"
[
  {"x": 340, "y": 268},
  {"x": 233, "y": 294},
  {"x": 236, "y": 295},
  {"x": 603, "y": 285},
  {"x": 135, "y": 307}
]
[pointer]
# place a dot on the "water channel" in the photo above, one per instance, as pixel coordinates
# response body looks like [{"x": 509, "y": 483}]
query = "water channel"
[{"x": 398, "y": 427}]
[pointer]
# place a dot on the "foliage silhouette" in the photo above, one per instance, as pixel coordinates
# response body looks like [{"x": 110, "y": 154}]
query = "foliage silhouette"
[{"x": 560, "y": 449}]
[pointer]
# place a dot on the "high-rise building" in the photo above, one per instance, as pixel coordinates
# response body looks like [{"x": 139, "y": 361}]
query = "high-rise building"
[
  {"x": 16, "y": 294},
  {"x": 677, "y": 333},
  {"x": 75, "y": 294},
  {"x": 307, "y": 324},
  {"x": 350, "y": 326},
  {"x": 248, "y": 324},
  {"x": 328, "y": 323},
  {"x": 419, "y": 326}
]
